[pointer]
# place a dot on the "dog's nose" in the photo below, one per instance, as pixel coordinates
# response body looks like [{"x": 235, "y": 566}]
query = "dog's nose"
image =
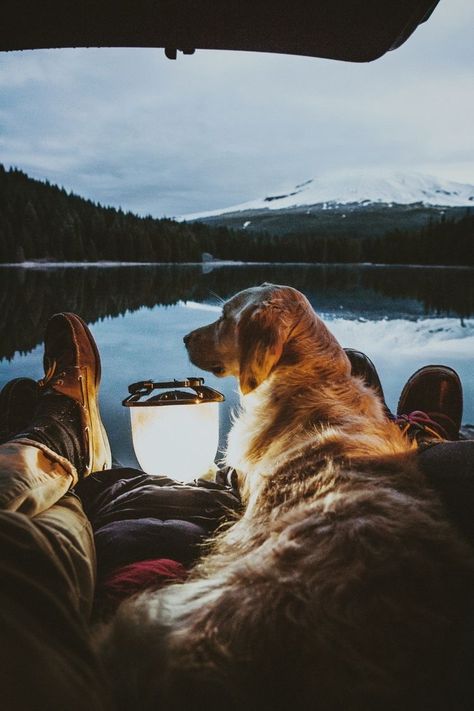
[{"x": 187, "y": 338}]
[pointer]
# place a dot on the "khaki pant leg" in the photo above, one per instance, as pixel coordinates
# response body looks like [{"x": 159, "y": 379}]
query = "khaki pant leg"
[
  {"x": 69, "y": 535},
  {"x": 32, "y": 477},
  {"x": 47, "y": 577}
]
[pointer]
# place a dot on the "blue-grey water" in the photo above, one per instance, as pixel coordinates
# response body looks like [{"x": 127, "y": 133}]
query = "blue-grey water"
[{"x": 401, "y": 317}]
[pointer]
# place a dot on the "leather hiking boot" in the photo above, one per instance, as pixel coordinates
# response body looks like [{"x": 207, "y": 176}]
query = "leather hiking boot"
[
  {"x": 362, "y": 367},
  {"x": 431, "y": 403},
  {"x": 67, "y": 419},
  {"x": 18, "y": 402}
]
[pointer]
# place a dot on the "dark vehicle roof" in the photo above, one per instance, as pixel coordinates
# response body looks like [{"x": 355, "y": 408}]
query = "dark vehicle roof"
[{"x": 351, "y": 30}]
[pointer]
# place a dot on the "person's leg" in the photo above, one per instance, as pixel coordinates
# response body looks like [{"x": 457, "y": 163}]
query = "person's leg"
[
  {"x": 449, "y": 468},
  {"x": 62, "y": 438},
  {"x": 430, "y": 404},
  {"x": 430, "y": 408},
  {"x": 47, "y": 573},
  {"x": 47, "y": 569},
  {"x": 47, "y": 554},
  {"x": 430, "y": 411},
  {"x": 69, "y": 406}
]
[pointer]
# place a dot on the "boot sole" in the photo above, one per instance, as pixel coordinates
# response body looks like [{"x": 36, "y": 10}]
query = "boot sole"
[{"x": 91, "y": 397}]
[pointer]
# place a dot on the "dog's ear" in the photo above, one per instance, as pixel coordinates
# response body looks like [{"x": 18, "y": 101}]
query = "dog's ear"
[{"x": 262, "y": 333}]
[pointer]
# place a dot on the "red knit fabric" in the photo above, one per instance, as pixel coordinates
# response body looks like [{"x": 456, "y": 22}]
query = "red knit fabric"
[{"x": 135, "y": 577}]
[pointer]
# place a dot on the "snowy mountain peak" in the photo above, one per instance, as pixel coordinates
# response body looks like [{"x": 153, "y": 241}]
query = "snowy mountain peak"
[{"x": 363, "y": 188}]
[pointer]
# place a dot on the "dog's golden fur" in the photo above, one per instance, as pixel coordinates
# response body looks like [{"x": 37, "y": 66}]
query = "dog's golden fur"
[{"x": 342, "y": 586}]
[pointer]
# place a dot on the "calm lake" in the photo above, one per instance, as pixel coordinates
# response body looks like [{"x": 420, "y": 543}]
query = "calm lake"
[{"x": 402, "y": 317}]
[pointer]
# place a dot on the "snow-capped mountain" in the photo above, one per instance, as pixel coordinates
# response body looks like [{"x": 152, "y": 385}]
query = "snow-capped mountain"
[
  {"x": 357, "y": 203},
  {"x": 364, "y": 188}
]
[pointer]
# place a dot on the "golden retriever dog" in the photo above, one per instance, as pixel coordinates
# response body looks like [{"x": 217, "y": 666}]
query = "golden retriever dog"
[{"x": 342, "y": 587}]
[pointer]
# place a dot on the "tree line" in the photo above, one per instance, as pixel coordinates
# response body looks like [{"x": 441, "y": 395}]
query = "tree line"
[{"x": 42, "y": 221}]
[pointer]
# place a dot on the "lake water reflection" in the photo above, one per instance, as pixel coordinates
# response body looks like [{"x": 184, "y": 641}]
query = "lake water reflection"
[{"x": 402, "y": 317}]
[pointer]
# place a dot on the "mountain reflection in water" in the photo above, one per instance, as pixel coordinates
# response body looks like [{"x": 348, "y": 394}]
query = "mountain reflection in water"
[{"x": 28, "y": 297}]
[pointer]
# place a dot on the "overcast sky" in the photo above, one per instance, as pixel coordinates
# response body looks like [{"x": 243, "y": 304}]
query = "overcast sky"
[{"x": 129, "y": 128}]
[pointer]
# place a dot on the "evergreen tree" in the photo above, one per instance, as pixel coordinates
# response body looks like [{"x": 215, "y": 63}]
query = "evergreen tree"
[{"x": 42, "y": 221}]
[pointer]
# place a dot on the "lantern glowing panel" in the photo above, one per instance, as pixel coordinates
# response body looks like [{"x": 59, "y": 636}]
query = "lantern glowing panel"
[
  {"x": 175, "y": 433},
  {"x": 179, "y": 441}
]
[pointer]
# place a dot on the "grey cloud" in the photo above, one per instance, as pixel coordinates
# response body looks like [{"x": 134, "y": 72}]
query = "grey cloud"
[{"x": 130, "y": 128}]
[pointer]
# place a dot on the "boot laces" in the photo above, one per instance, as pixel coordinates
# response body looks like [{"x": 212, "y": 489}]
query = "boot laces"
[
  {"x": 50, "y": 376},
  {"x": 420, "y": 422}
]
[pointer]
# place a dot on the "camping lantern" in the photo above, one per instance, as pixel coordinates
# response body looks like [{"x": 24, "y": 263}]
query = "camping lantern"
[{"x": 175, "y": 433}]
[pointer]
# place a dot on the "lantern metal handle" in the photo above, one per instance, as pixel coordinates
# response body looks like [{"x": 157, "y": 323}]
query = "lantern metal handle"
[{"x": 202, "y": 393}]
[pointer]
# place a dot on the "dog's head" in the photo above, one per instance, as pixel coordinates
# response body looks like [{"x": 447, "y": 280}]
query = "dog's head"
[{"x": 249, "y": 339}]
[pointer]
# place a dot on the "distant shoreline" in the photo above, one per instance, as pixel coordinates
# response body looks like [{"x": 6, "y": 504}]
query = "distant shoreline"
[{"x": 39, "y": 264}]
